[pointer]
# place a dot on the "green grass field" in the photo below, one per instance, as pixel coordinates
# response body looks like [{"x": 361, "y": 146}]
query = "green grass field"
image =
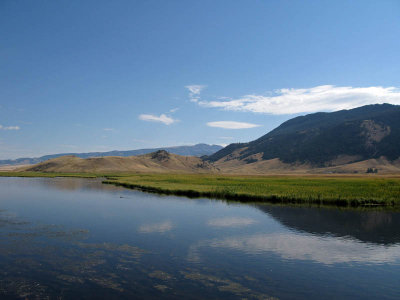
[
  {"x": 345, "y": 191},
  {"x": 342, "y": 191}
]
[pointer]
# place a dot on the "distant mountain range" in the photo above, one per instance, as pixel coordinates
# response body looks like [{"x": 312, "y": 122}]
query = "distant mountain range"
[
  {"x": 195, "y": 150},
  {"x": 325, "y": 139},
  {"x": 160, "y": 161},
  {"x": 360, "y": 140}
]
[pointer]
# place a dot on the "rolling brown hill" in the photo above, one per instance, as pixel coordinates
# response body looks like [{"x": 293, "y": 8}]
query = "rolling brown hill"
[
  {"x": 343, "y": 142},
  {"x": 276, "y": 167},
  {"x": 156, "y": 162},
  {"x": 164, "y": 162},
  {"x": 194, "y": 150}
]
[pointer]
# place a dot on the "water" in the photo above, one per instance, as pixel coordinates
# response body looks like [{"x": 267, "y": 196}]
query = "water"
[{"x": 66, "y": 238}]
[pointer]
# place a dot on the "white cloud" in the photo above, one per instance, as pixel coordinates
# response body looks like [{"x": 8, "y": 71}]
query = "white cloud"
[
  {"x": 231, "y": 125},
  {"x": 162, "y": 119},
  {"x": 319, "y": 98},
  {"x": 156, "y": 227},
  {"x": 195, "y": 91},
  {"x": 9, "y": 127},
  {"x": 108, "y": 129},
  {"x": 231, "y": 222}
]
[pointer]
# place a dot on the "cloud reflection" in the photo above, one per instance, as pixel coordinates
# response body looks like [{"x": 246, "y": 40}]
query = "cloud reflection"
[
  {"x": 231, "y": 222},
  {"x": 156, "y": 227},
  {"x": 325, "y": 250}
]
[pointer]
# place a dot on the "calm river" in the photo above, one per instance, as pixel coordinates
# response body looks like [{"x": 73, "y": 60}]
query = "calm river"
[{"x": 66, "y": 238}]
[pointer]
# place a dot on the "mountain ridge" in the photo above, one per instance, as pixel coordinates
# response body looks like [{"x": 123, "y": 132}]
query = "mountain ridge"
[
  {"x": 367, "y": 132},
  {"x": 160, "y": 161},
  {"x": 200, "y": 149},
  {"x": 360, "y": 140}
]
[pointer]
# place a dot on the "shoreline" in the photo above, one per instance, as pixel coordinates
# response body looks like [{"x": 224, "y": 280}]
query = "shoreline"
[
  {"x": 336, "y": 191},
  {"x": 267, "y": 199}
]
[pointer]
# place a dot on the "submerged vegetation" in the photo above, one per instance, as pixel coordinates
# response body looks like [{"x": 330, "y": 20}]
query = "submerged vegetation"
[{"x": 322, "y": 190}]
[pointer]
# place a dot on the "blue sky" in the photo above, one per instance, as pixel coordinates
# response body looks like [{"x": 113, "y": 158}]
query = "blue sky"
[{"x": 78, "y": 76}]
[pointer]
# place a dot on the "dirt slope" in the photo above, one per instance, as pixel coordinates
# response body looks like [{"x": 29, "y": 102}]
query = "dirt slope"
[
  {"x": 164, "y": 162},
  {"x": 276, "y": 166},
  {"x": 157, "y": 162}
]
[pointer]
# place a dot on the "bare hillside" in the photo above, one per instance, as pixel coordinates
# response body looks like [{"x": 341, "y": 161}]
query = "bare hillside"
[
  {"x": 157, "y": 162},
  {"x": 276, "y": 166},
  {"x": 164, "y": 162}
]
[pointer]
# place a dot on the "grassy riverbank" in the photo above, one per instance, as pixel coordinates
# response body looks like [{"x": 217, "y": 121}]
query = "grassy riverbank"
[
  {"x": 326, "y": 190},
  {"x": 343, "y": 191}
]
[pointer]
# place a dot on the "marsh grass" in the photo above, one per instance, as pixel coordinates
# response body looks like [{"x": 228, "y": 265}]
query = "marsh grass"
[
  {"x": 320, "y": 190},
  {"x": 342, "y": 191}
]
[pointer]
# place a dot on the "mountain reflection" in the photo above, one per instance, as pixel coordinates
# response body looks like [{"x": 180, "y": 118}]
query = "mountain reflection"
[
  {"x": 69, "y": 184},
  {"x": 370, "y": 226}
]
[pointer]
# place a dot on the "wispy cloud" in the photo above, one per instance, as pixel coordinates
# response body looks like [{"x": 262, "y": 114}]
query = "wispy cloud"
[
  {"x": 161, "y": 118},
  {"x": 9, "y": 127},
  {"x": 232, "y": 125},
  {"x": 156, "y": 227},
  {"x": 194, "y": 91},
  {"x": 108, "y": 129},
  {"x": 319, "y": 98}
]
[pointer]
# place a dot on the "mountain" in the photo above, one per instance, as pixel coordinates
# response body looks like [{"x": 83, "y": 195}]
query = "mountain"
[
  {"x": 346, "y": 141},
  {"x": 157, "y": 162},
  {"x": 324, "y": 139},
  {"x": 196, "y": 150}
]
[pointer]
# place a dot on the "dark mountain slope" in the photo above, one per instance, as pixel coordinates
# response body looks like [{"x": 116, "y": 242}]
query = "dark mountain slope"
[{"x": 362, "y": 133}]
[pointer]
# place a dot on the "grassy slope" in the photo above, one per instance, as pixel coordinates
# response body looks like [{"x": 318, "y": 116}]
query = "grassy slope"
[{"x": 346, "y": 191}]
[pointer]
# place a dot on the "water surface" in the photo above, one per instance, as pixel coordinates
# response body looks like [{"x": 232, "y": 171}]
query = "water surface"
[{"x": 74, "y": 238}]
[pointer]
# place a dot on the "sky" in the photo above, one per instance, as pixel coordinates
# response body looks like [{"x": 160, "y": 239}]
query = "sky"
[{"x": 81, "y": 76}]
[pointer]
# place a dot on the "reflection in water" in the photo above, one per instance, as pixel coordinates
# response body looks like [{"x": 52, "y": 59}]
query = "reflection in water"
[
  {"x": 231, "y": 222},
  {"x": 51, "y": 260},
  {"x": 379, "y": 227},
  {"x": 35, "y": 255},
  {"x": 76, "y": 238},
  {"x": 325, "y": 250},
  {"x": 69, "y": 184},
  {"x": 156, "y": 227}
]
